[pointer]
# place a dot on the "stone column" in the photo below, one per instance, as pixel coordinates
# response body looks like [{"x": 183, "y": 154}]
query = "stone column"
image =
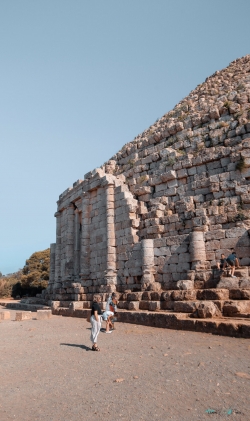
[
  {"x": 69, "y": 266},
  {"x": 58, "y": 251},
  {"x": 85, "y": 237},
  {"x": 147, "y": 248},
  {"x": 52, "y": 264},
  {"x": 197, "y": 249},
  {"x": 76, "y": 243},
  {"x": 110, "y": 274}
]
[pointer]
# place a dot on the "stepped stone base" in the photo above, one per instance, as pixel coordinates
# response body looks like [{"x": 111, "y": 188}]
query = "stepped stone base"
[
  {"x": 178, "y": 321},
  {"x": 236, "y": 327}
]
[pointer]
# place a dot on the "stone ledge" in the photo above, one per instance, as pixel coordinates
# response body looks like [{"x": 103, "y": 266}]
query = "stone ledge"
[{"x": 234, "y": 327}]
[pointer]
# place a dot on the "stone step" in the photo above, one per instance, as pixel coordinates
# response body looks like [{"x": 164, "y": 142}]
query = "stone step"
[
  {"x": 233, "y": 283},
  {"x": 227, "y": 327},
  {"x": 33, "y": 300},
  {"x": 189, "y": 295},
  {"x": 25, "y": 307},
  {"x": 236, "y": 327}
]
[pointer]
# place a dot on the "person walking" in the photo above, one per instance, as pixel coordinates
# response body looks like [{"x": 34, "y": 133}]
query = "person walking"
[{"x": 96, "y": 321}]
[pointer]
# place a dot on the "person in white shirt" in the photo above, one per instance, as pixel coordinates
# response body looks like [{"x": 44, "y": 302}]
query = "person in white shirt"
[{"x": 111, "y": 309}]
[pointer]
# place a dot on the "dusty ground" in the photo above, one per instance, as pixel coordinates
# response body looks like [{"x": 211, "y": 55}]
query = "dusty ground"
[{"x": 49, "y": 373}]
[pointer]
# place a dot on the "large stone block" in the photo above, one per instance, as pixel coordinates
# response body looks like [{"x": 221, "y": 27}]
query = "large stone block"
[
  {"x": 189, "y": 295},
  {"x": 208, "y": 309},
  {"x": 23, "y": 315},
  {"x": 154, "y": 305},
  {"x": 245, "y": 283},
  {"x": 239, "y": 294},
  {"x": 185, "y": 306},
  {"x": 213, "y": 294},
  {"x": 236, "y": 308},
  {"x": 43, "y": 314},
  {"x": 185, "y": 285},
  {"x": 134, "y": 296},
  {"x": 4, "y": 315},
  {"x": 144, "y": 305},
  {"x": 133, "y": 305},
  {"x": 228, "y": 283},
  {"x": 166, "y": 296}
]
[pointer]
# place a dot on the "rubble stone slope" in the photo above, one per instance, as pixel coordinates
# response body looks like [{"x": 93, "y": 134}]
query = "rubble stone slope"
[{"x": 159, "y": 214}]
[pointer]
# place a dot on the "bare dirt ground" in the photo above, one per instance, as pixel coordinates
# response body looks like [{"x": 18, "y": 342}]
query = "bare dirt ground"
[{"x": 49, "y": 373}]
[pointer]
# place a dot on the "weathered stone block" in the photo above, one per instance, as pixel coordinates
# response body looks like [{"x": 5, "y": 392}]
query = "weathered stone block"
[
  {"x": 185, "y": 285},
  {"x": 245, "y": 283},
  {"x": 167, "y": 305},
  {"x": 134, "y": 296},
  {"x": 228, "y": 283},
  {"x": 154, "y": 305},
  {"x": 189, "y": 295},
  {"x": 234, "y": 308},
  {"x": 133, "y": 305},
  {"x": 4, "y": 315},
  {"x": 239, "y": 294},
  {"x": 43, "y": 314},
  {"x": 23, "y": 315},
  {"x": 144, "y": 305},
  {"x": 213, "y": 294},
  {"x": 185, "y": 306},
  {"x": 208, "y": 309}
]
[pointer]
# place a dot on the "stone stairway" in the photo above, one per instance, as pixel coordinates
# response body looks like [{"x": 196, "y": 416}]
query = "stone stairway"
[{"x": 224, "y": 309}]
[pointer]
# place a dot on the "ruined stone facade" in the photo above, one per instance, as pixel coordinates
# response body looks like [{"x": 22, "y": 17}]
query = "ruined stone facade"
[{"x": 157, "y": 216}]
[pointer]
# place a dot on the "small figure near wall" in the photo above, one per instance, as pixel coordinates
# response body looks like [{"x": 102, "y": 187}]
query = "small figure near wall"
[
  {"x": 233, "y": 261},
  {"x": 222, "y": 262}
]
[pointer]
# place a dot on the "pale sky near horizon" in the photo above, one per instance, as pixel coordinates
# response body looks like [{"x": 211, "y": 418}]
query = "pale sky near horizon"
[{"x": 79, "y": 79}]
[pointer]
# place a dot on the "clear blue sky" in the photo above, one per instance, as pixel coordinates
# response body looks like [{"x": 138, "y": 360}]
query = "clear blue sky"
[{"x": 80, "y": 78}]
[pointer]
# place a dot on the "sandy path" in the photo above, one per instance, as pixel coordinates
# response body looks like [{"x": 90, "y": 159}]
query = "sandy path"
[{"x": 48, "y": 373}]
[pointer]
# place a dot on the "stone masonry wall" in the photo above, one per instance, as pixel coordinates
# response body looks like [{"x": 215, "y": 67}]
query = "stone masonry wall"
[{"x": 166, "y": 206}]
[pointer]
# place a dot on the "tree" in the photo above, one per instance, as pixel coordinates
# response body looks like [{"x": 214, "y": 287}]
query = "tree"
[
  {"x": 36, "y": 270},
  {"x": 30, "y": 280}
]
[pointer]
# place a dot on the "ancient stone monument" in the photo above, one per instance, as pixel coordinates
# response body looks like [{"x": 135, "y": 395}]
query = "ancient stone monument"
[{"x": 152, "y": 222}]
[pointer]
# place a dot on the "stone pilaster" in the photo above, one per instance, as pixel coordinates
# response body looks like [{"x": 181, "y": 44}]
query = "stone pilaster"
[
  {"x": 147, "y": 248},
  {"x": 58, "y": 250},
  {"x": 76, "y": 243},
  {"x": 69, "y": 265},
  {"x": 110, "y": 275},
  {"x": 85, "y": 238},
  {"x": 52, "y": 264},
  {"x": 197, "y": 249}
]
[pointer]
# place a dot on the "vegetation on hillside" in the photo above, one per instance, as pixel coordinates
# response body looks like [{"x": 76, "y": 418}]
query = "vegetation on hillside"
[{"x": 30, "y": 280}]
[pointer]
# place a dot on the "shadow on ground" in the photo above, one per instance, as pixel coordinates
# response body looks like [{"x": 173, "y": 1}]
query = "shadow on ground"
[{"x": 78, "y": 346}]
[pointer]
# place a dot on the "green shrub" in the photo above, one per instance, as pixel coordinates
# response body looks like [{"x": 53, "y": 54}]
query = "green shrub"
[{"x": 241, "y": 164}]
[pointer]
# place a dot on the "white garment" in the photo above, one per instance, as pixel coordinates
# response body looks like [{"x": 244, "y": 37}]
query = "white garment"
[
  {"x": 95, "y": 328},
  {"x": 109, "y": 302},
  {"x": 106, "y": 314}
]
